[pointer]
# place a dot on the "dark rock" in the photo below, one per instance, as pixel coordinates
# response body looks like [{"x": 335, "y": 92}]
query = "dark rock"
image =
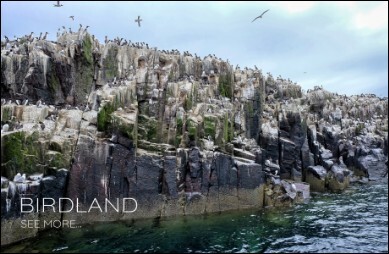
[
  {"x": 373, "y": 164},
  {"x": 315, "y": 177}
]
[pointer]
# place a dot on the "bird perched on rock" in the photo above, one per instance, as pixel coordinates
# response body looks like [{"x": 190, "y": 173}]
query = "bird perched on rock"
[
  {"x": 5, "y": 128},
  {"x": 18, "y": 178},
  {"x": 42, "y": 125},
  {"x": 113, "y": 138},
  {"x": 260, "y": 16},
  {"x": 44, "y": 37}
]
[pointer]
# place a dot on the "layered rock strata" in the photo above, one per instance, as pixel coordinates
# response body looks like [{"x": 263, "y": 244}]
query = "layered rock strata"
[{"x": 181, "y": 135}]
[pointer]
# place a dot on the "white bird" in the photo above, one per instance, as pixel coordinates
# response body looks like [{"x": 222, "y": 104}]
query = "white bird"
[
  {"x": 18, "y": 178},
  {"x": 5, "y": 128},
  {"x": 113, "y": 138}
]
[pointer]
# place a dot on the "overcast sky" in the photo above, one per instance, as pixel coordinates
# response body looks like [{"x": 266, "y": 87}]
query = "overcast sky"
[{"x": 342, "y": 46}]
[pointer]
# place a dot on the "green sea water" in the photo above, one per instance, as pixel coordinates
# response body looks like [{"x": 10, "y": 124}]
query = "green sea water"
[{"x": 354, "y": 221}]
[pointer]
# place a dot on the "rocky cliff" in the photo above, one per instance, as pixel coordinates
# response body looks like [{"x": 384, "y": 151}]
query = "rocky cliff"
[{"x": 180, "y": 134}]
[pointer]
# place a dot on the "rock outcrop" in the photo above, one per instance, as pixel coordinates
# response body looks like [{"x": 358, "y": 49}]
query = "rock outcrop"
[{"x": 181, "y": 135}]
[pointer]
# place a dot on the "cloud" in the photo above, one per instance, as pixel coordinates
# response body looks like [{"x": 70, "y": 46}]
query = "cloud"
[
  {"x": 374, "y": 19},
  {"x": 295, "y": 7}
]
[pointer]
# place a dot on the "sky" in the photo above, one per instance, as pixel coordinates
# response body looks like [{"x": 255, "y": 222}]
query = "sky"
[{"x": 342, "y": 46}]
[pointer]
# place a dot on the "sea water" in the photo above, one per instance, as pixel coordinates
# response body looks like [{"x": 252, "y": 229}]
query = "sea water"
[{"x": 353, "y": 221}]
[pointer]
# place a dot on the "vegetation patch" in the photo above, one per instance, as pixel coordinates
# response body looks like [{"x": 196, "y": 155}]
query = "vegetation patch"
[
  {"x": 228, "y": 130},
  {"x": 148, "y": 128},
  {"x": 225, "y": 85},
  {"x": 84, "y": 71},
  {"x": 359, "y": 128},
  {"x": 180, "y": 124},
  {"x": 20, "y": 153},
  {"x": 192, "y": 130},
  {"x": 110, "y": 63},
  {"x": 188, "y": 102},
  {"x": 209, "y": 127},
  {"x": 6, "y": 113},
  {"x": 104, "y": 117}
]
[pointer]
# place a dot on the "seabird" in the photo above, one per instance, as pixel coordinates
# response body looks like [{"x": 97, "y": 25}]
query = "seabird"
[
  {"x": 138, "y": 20},
  {"x": 42, "y": 125},
  {"x": 44, "y": 37},
  {"x": 18, "y": 125},
  {"x": 58, "y": 4},
  {"x": 5, "y": 128},
  {"x": 30, "y": 36},
  {"x": 113, "y": 138},
  {"x": 72, "y": 17},
  {"x": 260, "y": 16},
  {"x": 18, "y": 178}
]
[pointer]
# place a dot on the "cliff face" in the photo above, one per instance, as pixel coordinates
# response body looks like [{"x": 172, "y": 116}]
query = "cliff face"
[{"x": 180, "y": 134}]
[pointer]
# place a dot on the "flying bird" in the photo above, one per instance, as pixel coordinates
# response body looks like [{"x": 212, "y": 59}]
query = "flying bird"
[
  {"x": 58, "y": 4},
  {"x": 138, "y": 20},
  {"x": 260, "y": 16},
  {"x": 72, "y": 17}
]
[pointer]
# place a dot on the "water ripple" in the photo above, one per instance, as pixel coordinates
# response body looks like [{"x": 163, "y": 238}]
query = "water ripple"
[{"x": 355, "y": 221}]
